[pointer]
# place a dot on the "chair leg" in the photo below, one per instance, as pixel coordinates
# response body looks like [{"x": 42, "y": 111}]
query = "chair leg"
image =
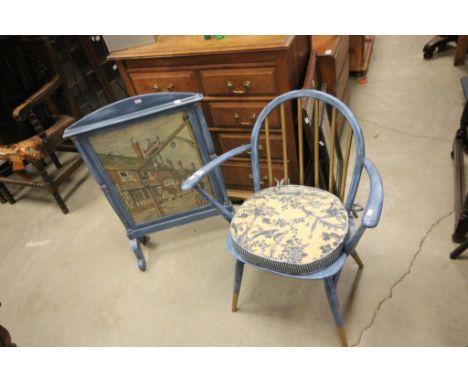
[
  {"x": 330, "y": 288},
  {"x": 55, "y": 160},
  {"x": 6, "y": 195},
  {"x": 357, "y": 259},
  {"x": 237, "y": 284},
  {"x": 459, "y": 250},
  {"x": 51, "y": 186},
  {"x": 2, "y": 198},
  {"x": 60, "y": 202}
]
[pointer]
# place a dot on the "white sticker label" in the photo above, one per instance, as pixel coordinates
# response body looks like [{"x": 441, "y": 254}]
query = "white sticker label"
[{"x": 177, "y": 101}]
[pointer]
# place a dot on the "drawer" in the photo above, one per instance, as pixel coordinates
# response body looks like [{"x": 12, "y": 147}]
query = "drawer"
[
  {"x": 239, "y": 174},
  {"x": 228, "y": 141},
  {"x": 241, "y": 114},
  {"x": 154, "y": 81},
  {"x": 249, "y": 81}
]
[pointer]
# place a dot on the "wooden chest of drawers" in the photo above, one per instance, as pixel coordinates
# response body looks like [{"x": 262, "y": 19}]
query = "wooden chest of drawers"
[{"x": 237, "y": 75}]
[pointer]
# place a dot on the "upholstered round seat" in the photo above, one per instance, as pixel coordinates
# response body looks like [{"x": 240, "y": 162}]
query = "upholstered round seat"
[{"x": 290, "y": 229}]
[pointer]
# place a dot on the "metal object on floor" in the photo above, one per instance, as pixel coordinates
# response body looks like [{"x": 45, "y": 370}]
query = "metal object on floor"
[
  {"x": 139, "y": 151},
  {"x": 281, "y": 229},
  {"x": 439, "y": 43}
]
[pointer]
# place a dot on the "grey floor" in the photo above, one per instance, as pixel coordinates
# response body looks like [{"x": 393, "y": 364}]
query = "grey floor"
[{"x": 72, "y": 280}]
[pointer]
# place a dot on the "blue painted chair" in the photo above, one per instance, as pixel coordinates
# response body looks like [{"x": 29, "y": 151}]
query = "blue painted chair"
[{"x": 297, "y": 230}]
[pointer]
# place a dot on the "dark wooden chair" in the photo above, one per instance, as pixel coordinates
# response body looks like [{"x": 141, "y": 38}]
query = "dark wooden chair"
[
  {"x": 460, "y": 148},
  {"x": 39, "y": 109},
  {"x": 5, "y": 337}
]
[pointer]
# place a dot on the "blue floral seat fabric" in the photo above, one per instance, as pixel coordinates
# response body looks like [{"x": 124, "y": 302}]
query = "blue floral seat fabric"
[{"x": 290, "y": 229}]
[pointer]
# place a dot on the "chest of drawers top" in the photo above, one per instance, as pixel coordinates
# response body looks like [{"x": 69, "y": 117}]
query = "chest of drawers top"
[
  {"x": 233, "y": 66},
  {"x": 179, "y": 46}
]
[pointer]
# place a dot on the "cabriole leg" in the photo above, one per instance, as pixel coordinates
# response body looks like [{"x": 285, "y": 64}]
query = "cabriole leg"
[
  {"x": 237, "y": 284},
  {"x": 136, "y": 248},
  {"x": 330, "y": 288}
]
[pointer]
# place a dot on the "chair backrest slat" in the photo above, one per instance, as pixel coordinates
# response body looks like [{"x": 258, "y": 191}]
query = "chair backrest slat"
[
  {"x": 285, "y": 143},
  {"x": 332, "y": 152},
  {"x": 300, "y": 138},
  {"x": 268, "y": 152},
  {"x": 316, "y": 142},
  {"x": 349, "y": 140}
]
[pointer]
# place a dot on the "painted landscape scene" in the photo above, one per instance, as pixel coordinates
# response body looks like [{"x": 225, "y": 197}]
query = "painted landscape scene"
[{"x": 148, "y": 161}]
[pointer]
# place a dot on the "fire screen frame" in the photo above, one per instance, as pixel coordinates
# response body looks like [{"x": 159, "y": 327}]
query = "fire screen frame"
[{"x": 125, "y": 114}]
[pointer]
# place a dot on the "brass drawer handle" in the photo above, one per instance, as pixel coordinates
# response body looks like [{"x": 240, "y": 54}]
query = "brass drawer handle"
[
  {"x": 264, "y": 178},
  {"x": 170, "y": 87},
  {"x": 260, "y": 147},
  {"x": 246, "y": 85},
  {"x": 156, "y": 87},
  {"x": 245, "y": 124}
]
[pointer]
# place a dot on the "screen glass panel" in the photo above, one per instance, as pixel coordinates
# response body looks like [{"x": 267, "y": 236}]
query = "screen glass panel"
[{"x": 147, "y": 163}]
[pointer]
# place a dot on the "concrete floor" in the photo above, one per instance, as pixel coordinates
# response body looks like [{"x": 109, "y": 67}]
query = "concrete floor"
[{"x": 71, "y": 280}]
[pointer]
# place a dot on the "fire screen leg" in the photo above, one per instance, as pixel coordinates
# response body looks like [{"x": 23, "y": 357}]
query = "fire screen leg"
[{"x": 136, "y": 248}]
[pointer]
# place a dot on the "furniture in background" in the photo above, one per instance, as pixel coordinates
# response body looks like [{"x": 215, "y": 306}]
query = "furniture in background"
[
  {"x": 5, "y": 337},
  {"x": 17, "y": 83},
  {"x": 440, "y": 43},
  {"x": 39, "y": 109},
  {"x": 295, "y": 230},
  {"x": 360, "y": 49},
  {"x": 333, "y": 65},
  {"x": 461, "y": 50},
  {"x": 237, "y": 76},
  {"x": 139, "y": 151},
  {"x": 87, "y": 81},
  {"x": 460, "y": 148}
]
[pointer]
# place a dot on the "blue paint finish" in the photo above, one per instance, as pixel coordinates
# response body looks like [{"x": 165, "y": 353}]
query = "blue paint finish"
[
  {"x": 137, "y": 109},
  {"x": 238, "y": 276},
  {"x": 197, "y": 177},
  {"x": 330, "y": 289},
  {"x": 223, "y": 210},
  {"x": 330, "y": 274},
  {"x": 373, "y": 209}
]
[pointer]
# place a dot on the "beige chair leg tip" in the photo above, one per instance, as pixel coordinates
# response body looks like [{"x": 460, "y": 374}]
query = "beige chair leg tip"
[
  {"x": 358, "y": 261},
  {"x": 235, "y": 298},
  {"x": 342, "y": 334}
]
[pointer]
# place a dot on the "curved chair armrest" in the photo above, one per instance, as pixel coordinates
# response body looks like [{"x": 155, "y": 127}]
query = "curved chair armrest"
[
  {"x": 373, "y": 208},
  {"x": 198, "y": 175},
  {"x": 374, "y": 205},
  {"x": 20, "y": 113}
]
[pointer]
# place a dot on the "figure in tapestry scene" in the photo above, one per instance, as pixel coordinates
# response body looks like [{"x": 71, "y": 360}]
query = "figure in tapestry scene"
[{"x": 148, "y": 162}]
